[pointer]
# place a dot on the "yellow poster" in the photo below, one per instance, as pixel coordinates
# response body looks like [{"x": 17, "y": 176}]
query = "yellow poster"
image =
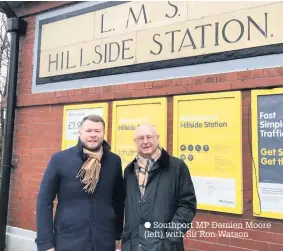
[
  {"x": 267, "y": 152},
  {"x": 208, "y": 137},
  {"x": 127, "y": 115},
  {"x": 73, "y": 114}
]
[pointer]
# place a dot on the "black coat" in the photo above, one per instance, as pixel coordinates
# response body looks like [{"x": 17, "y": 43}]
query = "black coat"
[
  {"x": 169, "y": 198},
  {"x": 83, "y": 222}
]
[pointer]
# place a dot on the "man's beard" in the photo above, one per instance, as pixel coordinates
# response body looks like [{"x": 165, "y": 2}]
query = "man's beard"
[{"x": 93, "y": 149}]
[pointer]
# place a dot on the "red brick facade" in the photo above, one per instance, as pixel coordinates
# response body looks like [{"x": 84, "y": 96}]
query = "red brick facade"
[{"x": 38, "y": 132}]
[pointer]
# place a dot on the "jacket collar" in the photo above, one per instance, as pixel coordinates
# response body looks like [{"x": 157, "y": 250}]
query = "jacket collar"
[
  {"x": 163, "y": 161},
  {"x": 105, "y": 145}
]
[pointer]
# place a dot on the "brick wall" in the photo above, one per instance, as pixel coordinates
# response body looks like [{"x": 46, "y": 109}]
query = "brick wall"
[{"x": 38, "y": 131}]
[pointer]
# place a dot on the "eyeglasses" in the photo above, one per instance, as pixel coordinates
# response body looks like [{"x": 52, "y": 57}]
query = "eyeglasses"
[{"x": 147, "y": 137}]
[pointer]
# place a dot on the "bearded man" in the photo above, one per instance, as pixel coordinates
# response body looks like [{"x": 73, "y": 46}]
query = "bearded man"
[
  {"x": 88, "y": 182},
  {"x": 160, "y": 197}
]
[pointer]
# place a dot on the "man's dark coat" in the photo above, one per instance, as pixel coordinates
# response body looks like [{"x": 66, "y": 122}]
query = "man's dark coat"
[
  {"x": 169, "y": 198},
  {"x": 83, "y": 222}
]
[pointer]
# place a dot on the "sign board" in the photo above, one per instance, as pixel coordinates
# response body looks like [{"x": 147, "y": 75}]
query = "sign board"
[
  {"x": 208, "y": 137},
  {"x": 73, "y": 115},
  {"x": 127, "y": 115},
  {"x": 132, "y": 36},
  {"x": 267, "y": 152}
]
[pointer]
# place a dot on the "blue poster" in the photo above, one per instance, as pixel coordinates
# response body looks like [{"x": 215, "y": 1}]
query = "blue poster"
[{"x": 270, "y": 152}]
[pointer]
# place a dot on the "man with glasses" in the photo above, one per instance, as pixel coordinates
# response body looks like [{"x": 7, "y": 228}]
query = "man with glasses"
[{"x": 160, "y": 198}]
